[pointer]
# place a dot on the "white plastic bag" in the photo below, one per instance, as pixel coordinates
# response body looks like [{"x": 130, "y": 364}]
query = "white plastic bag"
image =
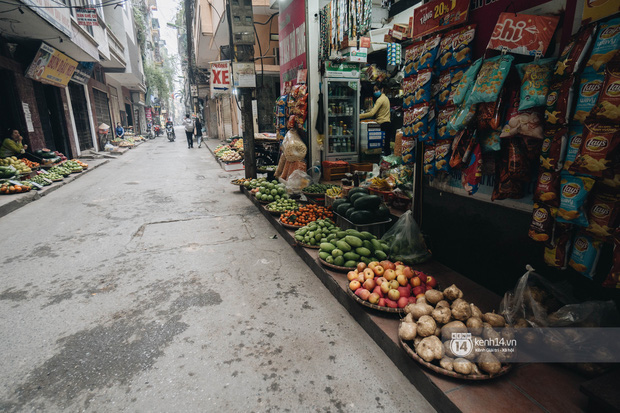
[{"x": 297, "y": 181}]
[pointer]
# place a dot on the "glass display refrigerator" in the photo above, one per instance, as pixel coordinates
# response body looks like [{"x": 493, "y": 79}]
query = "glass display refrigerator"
[{"x": 342, "y": 118}]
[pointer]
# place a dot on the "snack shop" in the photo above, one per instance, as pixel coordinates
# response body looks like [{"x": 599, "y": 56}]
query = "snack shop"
[{"x": 500, "y": 157}]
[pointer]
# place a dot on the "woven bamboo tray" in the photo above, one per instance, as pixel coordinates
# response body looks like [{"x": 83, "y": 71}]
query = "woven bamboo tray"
[
  {"x": 335, "y": 267},
  {"x": 375, "y": 306}
]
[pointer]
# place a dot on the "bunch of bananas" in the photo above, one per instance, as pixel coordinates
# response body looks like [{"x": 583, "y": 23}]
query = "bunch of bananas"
[
  {"x": 334, "y": 192},
  {"x": 380, "y": 184}
]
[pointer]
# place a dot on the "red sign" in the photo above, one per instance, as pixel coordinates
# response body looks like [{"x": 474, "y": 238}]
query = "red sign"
[
  {"x": 292, "y": 22},
  {"x": 220, "y": 77},
  {"x": 149, "y": 115},
  {"x": 438, "y": 15},
  {"x": 523, "y": 33},
  {"x": 87, "y": 17}
]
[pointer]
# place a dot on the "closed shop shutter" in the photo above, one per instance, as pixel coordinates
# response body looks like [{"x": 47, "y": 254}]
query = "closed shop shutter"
[
  {"x": 102, "y": 108},
  {"x": 80, "y": 115}
]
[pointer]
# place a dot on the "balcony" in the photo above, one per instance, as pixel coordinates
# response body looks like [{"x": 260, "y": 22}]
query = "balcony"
[{"x": 117, "y": 52}]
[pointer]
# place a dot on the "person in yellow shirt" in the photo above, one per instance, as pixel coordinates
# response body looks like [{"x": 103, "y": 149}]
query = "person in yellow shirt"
[
  {"x": 381, "y": 114},
  {"x": 13, "y": 146}
]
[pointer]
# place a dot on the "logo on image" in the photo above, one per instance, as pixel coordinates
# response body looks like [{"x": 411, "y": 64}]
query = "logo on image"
[{"x": 461, "y": 344}]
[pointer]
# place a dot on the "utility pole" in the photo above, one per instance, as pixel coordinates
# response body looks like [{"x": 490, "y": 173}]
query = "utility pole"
[{"x": 241, "y": 24}]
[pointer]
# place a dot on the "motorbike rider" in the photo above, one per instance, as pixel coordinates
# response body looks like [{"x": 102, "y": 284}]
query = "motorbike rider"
[{"x": 170, "y": 127}]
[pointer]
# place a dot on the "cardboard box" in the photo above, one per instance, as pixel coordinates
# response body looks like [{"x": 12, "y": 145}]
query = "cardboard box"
[
  {"x": 400, "y": 36},
  {"x": 355, "y": 51},
  {"x": 363, "y": 42},
  {"x": 402, "y": 28},
  {"x": 388, "y": 38}
]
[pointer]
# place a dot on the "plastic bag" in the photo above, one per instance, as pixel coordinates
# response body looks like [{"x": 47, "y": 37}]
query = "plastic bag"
[
  {"x": 294, "y": 148},
  {"x": 406, "y": 241},
  {"x": 297, "y": 180},
  {"x": 109, "y": 147}
]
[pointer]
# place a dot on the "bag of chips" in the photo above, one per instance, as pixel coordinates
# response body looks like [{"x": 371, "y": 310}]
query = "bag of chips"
[
  {"x": 472, "y": 174},
  {"x": 462, "y": 148},
  {"x": 607, "y": 107},
  {"x": 431, "y": 133},
  {"x": 443, "y": 151},
  {"x": 556, "y": 255},
  {"x": 574, "y": 53},
  {"x": 535, "y": 78},
  {"x": 490, "y": 79},
  {"x": 422, "y": 92},
  {"x": 462, "y": 117},
  {"x": 518, "y": 165},
  {"x": 589, "y": 89},
  {"x": 412, "y": 55},
  {"x": 462, "y": 46},
  {"x": 443, "y": 89},
  {"x": 509, "y": 189},
  {"x": 409, "y": 86},
  {"x": 489, "y": 141},
  {"x": 613, "y": 278},
  {"x": 445, "y": 52},
  {"x": 603, "y": 212},
  {"x": 429, "y": 160},
  {"x": 408, "y": 155},
  {"x": 606, "y": 45},
  {"x": 573, "y": 194},
  {"x": 575, "y": 132},
  {"x": 490, "y": 113},
  {"x": 534, "y": 148},
  {"x": 443, "y": 117},
  {"x": 525, "y": 123},
  {"x": 598, "y": 151},
  {"x": 466, "y": 83},
  {"x": 428, "y": 54},
  {"x": 553, "y": 148},
  {"x": 585, "y": 255},
  {"x": 419, "y": 119},
  {"x": 548, "y": 188},
  {"x": 559, "y": 102},
  {"x": 541, "y": 226}
]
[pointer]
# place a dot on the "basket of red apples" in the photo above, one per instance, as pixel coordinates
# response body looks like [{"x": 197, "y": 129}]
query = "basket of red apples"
[{"x": 388, "y": 286}]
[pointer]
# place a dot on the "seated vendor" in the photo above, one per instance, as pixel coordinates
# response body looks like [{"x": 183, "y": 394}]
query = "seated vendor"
[
  {"x": 381, "y": 114},
  {"x": 13, "y": 146}
]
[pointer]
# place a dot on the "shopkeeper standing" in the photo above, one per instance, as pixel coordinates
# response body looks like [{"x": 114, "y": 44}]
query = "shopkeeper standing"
[
  {"x": 13, "y": 146},
  {"x": 381, "y": 114}
]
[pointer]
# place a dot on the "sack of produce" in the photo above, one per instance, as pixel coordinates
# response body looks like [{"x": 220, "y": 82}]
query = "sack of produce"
[
  {"x": 294, "y": 147},
  {"x": 406, "y": 242}
]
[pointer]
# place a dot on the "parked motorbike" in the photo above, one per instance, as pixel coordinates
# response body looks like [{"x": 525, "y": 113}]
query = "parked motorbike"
[
  {"x": 157, "y": 130},
  {"x": 170, "y": 133}
]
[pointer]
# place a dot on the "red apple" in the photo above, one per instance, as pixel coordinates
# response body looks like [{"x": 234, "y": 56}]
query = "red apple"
[
  {"x": 399, "y": 267},
  {"x": 408, "y": 272},
  {"x": 417, "y": 297},
  {"x": 377, "y": 290},
  {"x": 404, "y": 291},
  {"x": 393, "y": 295},
  {"x": 402, "y": 302},
  {"x": 399, "y": 272},
  {"x": 358, "y": 291},
  {"x": 369, "y": 274},
  {"x": 381, "y": 302},
  {"x": 361, "y": 266},
  {"x": 411, "y": 300},
  {"x": 385, "y": 287},
  {"x": 373, "y": 264},
  {"x": 388, "y": 265},
  {"x": 354, "y": 285},
  {"x": 415, "y": 281},
  {"x": 352, "y": 275},
  {"x": 394, "y": 285},
  {"x": 360, "y": 278},
  {"x": 391, "y": 303},
  {"x": 428, "y": 287},
  {"x": 402, "y": 280},
  {"x": 380, "y": 280},
  {"x": 374, "y": 298},
  {"x": 430, "y": 280},
  {"x": 419, "y": 290},
  {"x": 370, "y": 284},
  {"x": 389, "y": 275},
  {"x": 422, "y": 276},
  {"x": 399, "y": 263},
  {"x": 364, "y": 294},
  {"x": 379, "y": 270}
]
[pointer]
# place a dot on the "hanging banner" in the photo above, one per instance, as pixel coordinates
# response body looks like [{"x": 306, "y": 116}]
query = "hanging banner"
[
  {"x": 292, "y": 25},
  {"x": 523, "y": 33},
  {"x": 87, "y": 17},
  {"x": 438, "y": 15},
  {"x": 220, "y": 77},
  {"x": 51, "y": 67},
  {"x": 594, "y": 10},
  {"x": 149, "y": 116}
]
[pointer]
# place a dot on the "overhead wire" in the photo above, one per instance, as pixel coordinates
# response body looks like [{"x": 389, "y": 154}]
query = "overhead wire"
[{"x": 100, "y": 5}]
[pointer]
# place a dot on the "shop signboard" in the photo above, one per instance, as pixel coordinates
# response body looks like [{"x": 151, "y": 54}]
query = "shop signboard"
[
  {"x": 594, "y": 10},
  {"x": 523, "y": 33},
  {"x": 149, "y": 115},
  {"x": 59, "y": 17},
  {"x": 220, "y": 77},
  {"x": 243, "y": 74},
  {"x": 87, "y": 17},
  {"x": 83, "y": 72},
  {"x": 346, "y": 70},
  {"x": 292, "y": 23},
  {"x": 438, "y": 15},
  {"x": 51, "y": 66}
]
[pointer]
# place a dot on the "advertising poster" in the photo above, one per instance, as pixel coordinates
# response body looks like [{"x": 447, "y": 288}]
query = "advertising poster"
[
  {"x": 438, "y": 15},
  {"x": 51, "y": 67},
  {"x": 220, "y": 77},
  {"x": 292, "y": 23},
  {"x": 594, "y": 10},
  {"x": 523, "y": 33}
]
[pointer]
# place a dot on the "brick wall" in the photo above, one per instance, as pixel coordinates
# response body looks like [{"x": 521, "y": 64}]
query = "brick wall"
[{"x": 71, "y": 137}]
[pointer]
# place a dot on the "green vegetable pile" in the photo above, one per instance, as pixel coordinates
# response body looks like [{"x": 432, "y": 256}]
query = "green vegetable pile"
[
  {"x": 271, "y": 191},
  {"x": 39, "y": 180},
  {"x": 321, "y": 230},
  {"x": 254, "y": 183},
  {"x": 347, "y": 248},
  {"x": 61, "y": 170},
  {"x": 283, "y": 204},
  {"x": 72, "y": 166},
  {"x": 317, "y": 188}
]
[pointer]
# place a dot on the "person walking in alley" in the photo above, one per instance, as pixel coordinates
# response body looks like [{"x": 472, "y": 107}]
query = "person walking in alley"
[
  {"x": 13, "y": 145},
  {"x": 188, "y": 123},
  {"x": 198, "y": 132}
]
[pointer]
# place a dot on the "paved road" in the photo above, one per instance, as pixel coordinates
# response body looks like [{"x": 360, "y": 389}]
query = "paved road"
[{"x": 151, "y": 285}]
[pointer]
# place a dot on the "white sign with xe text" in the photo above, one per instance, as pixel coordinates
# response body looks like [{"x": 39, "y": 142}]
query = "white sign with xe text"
[{"x": 220, "y": 77}]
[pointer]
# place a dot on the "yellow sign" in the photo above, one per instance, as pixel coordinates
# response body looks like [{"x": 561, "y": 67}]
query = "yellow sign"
[
  {"x": 594, "y": 10},
  {"x": 52, "y": 67}
]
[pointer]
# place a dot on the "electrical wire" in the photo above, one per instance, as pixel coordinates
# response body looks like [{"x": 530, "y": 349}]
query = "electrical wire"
[
  {"x": 100, "y": 5},
  {"x": 213, "y": 7}
]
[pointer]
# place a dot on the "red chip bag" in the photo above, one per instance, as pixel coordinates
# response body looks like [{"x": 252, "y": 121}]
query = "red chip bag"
[
  {"x": 510, "y": 189},
  {"x": 559, "y": 101},
  {"x": 490, "y": 114},
  {"x": 518, "y": 166},
  {"x": 613, "y": 279},
  {"x": 541, "y": 226},
  {"x": 556, "y": 255},
  {"x": 553, "y": 148},
  {"x": 548, "y": 188},
  {"x": 598, "y": 151},
  {"x": 603, "y": 211},
  {"x": 574, "y": 52},
  {"x": 472, "y": 175},
  {"x": 607, "y": 108},
  {"x": 462, "y": 148}
]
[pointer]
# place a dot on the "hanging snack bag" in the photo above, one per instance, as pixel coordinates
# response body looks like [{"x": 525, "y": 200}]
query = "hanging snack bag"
[
  {"x": 462, "y": 148},
  {"x": 607, "y": 107},
  {"x": 429, "y": 160},
  {"x": 518, "y": 165},
  {"x": 408, "y": 155},
  {"x": 490, "y": 113},
  {"x": 431, "y": 133},
  {"x": 489, "y": 141},
  {"x": 559, "y": 102},
  {"x": 422, "y": 92},
  {"x": 462, "y": 117},
  {"x": 490, "y": 79},
  {"x": 509, "y": 189},
  {"x": 445, "y": 52},
  {"x": 443, "y": 152},
  {"x": 466, "y": 83},
  {"x": 419, "y": 119},
  {"x": 585, "y": 255},
  {"x": 598, "y": 149},
  {"x": 574, "y": 52},
  {"x": 541, "y": 226},
  {"x": 472, "y": 174},
  {"x": 603, "y": 212},
  {"x": 462, "y": 46},
  {"x": 589, "y": 89},
  {"x": 409, "y": 86},
  {"x": 548, "y": 188},
  {"x": 575, "y": 138},
  {"x": 412, "y": 54},
  {"x": 526, "y": 123},
  {"x": 553, "y": 148},
  {"x": 535, "y": 78},
  {"x": 444, "y": 88},
  {"x": 606, "y": 45},
  {"x": 443, "y": 117},
  {"x": 556, "y": 255},
  {"x": 573, "y": 194},
  {"x": 613, "y": 278},
  {"x": 428, "y": 54}
]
